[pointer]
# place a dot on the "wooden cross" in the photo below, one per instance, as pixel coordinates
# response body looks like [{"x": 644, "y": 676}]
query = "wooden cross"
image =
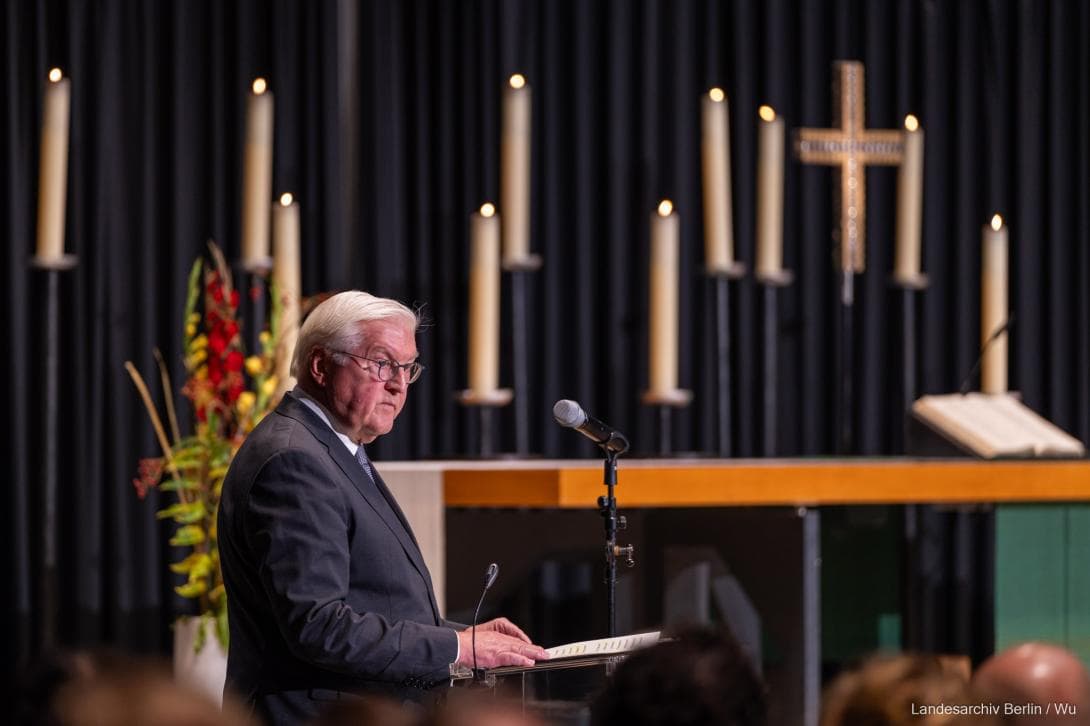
[{"x": 851, "y": 147}]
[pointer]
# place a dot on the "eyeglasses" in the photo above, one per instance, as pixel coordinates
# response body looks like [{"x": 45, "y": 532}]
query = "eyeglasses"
[{"x": 386, "y": 370}]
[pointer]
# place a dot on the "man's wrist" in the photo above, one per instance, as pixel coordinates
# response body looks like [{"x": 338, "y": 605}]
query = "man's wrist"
[{"x": 457, "y": 651}]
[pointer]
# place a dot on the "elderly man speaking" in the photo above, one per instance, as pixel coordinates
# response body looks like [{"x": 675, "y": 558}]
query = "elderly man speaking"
[{"x": 328, "y": 594}]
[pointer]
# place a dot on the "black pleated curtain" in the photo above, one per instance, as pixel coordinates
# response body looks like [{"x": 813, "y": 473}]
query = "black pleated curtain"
[{"x": 387, "y": 131}]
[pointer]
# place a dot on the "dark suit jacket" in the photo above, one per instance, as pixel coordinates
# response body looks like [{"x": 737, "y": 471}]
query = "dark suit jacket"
[{"x": 327, "y": 591}]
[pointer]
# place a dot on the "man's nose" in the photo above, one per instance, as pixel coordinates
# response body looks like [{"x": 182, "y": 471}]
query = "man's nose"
[{"x": 399, "y": 381}]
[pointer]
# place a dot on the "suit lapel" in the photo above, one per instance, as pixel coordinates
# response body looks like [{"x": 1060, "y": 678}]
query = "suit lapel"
[
  {"x": 377, "y": 495},
  {"x": 421, "y": 565}
]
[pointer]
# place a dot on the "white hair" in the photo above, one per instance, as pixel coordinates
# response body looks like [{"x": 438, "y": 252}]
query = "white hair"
[{"x": 334, "y": 324}]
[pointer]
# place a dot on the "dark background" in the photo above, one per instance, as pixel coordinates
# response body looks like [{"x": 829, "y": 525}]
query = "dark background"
[{"x": 387, "y": 132}]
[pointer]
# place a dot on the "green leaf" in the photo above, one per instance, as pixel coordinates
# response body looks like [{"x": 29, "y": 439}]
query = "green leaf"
[
  {"x": 190, "y": 534},
  {"x": 192, "y": 589},
  {"x": 183, "y": 512},
  {"x": 201, "y": 637},
  {"x": 223, "y": 632},
  {"x": 197, "y": 562},
  {"x": 177, "y": 485},
  {"x": 192, "y": 295}
]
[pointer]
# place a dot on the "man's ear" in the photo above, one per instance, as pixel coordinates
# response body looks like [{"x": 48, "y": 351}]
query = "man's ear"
[{"x": 317, "y": 363}]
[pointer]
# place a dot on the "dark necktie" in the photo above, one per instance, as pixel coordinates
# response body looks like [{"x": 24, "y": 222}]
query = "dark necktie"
[{"x": 361, "y": 458}]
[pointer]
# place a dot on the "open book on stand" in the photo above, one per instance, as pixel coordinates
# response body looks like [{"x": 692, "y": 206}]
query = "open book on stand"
[
  {"x": 991, "y": 426},
  {"x": 576, "y": 655}
]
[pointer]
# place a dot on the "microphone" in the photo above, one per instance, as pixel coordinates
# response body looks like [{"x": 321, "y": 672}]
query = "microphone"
[
  {"x": 1007, "y": 325},
  {"x": 571, "y": 415},
  {"x": 489, "y": 577}
]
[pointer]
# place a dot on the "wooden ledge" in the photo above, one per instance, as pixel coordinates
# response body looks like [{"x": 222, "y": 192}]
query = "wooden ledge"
[{"x": 779, "y": 482}]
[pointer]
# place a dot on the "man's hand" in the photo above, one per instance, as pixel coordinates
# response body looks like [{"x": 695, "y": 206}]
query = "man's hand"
[
  {"x": 503, "y": 626},
  {"x": 499, "y": 643}
]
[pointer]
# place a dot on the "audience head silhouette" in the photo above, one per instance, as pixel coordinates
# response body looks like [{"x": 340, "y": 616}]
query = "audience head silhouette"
[
  {"x": 699, "y": 678},
  {"x": 1041, "y": 674}
]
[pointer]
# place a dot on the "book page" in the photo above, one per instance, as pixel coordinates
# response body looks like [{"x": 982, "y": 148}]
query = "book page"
[
  {"x": 996, "y": 425},
  {"x": 1047, "y": 437},
  {"x": 604, "y": 646}
]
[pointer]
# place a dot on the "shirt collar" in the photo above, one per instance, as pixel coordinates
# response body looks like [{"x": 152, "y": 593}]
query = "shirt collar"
[{"x": 317, "y": 408}]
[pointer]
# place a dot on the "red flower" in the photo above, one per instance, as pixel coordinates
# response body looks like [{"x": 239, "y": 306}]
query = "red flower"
[
  {"x": 234, "y": 361},
  {"x": 216, "y": 291},
  {"x": 234, "y": 299},
  {"x": 234, "y": 392},
  {"x": 216, "y": 343},
  {"x": 215, "y": 371},
  {"x": 149, "y": 471},
  {"x": 230, "y": 329}
]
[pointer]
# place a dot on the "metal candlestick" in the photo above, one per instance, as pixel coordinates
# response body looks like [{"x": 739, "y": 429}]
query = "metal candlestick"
[
  {"x": 666, "y": 402},
  {"x": 909, "y": 288},
  {"x": 771, "y": 282},
  {"x": 721, "y": 281},
  {"x": 256, "y": 278},
  {"x": 48, "y": 584},
  {"x": 485, "y": 402},
  {"x": 520, "y": 271}
]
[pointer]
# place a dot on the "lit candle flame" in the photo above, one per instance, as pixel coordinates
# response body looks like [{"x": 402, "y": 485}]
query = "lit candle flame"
[
  {"x": 997, "y": 222},
  {"x": 259, "y": 86},
  {"x": 911, "y": 122},
  {"x": 55, "y": 75},
  {"x": 488, "y": 209},
  {"x": 517, "y": 81},
  {"x": 666, "y": 208},
  {"x": 717, "y": 95},
  {"x": 286, "y": 199},
  {"x": 767, "y": 113}
]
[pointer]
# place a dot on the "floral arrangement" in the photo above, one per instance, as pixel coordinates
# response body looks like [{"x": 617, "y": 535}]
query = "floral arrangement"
[{"x": 229, "y": 394}]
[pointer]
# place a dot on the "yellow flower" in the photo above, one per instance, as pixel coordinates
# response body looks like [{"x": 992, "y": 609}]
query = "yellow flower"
[
  {"x": 201, "y": 341},
  {"x": 194, "y": 318},
  {"x": 196, "y": 358},
  {"x": 190, "y": 329},
  {"x": 264, "y": 337},
  {"x": 254, "y": 365},
  {"x": 269, "y": 386},
  {"x": 245, "y": 402},
  {"x": 201, "y": 373}
]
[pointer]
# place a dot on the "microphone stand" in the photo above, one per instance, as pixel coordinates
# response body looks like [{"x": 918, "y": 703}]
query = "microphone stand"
[{"x": 607, "y": 507}]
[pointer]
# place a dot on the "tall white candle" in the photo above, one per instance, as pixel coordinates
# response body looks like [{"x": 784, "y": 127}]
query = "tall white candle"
[
  {"x": 484, "y": 301},
  {"x": 993, "y": 305},
  {"x": 715, "y": 143},
  {"x": 257, "y": 176},
  {"x": 770, "y": 143},
  {"x": 53, "y": 169},
  {"x": 515, "y": 171},
  {"x": 288, "y": 282},
  {"x": 909, "y": 204},
  {"x": 662, "y": 304}
]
